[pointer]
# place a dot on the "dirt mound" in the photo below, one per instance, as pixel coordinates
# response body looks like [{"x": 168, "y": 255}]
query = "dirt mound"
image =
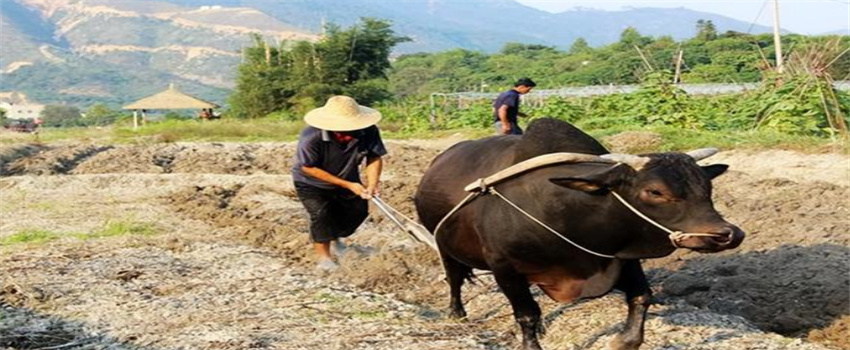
[
  {"x": 192, "y": 158},
  {"x": 47, "y": 160},
  {"x": 262, "y": 214},
  {"x": 633, "y": 142},
  {"x": 198, "y": 158}
]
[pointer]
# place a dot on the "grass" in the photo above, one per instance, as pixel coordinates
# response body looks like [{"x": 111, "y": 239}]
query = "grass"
[
  {"x": 120, "y": 228},
  {"x": 276, "y": 130},
  {"x": 109, "y": 229},
  {"x": 31, "y": 236},
  {"x": 254, "y": 130},
  {"x": 369, "y": 315}
]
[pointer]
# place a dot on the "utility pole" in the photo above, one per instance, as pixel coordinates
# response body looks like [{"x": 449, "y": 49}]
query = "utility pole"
[
  {"x": 777, "y": 44},
  {"x": 677, "y": 77}
]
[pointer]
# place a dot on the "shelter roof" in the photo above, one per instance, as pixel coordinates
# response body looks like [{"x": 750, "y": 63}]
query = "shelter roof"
[{"x": 170, "y": 99}]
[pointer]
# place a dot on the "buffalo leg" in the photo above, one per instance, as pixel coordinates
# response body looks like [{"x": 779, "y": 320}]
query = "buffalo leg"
[
  {"x": 526, "y": 311},
  {"x": 633, "y": 282},
  {"x": 456, "y": 273}
]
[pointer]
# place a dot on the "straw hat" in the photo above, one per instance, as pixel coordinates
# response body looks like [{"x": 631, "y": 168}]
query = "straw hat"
[{"x": 342, "y": 113}]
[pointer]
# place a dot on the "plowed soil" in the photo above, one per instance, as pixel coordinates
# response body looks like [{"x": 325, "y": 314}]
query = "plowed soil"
[{"x": 204, "y": 245}]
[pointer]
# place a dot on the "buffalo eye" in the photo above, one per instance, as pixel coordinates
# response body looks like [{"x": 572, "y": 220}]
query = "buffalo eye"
[{"x": 654, "y": 195}]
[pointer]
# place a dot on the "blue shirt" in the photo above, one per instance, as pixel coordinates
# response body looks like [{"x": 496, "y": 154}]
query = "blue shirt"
[
  {"x": 508, "y": 98},
  {"x": 318, "y": 148}
]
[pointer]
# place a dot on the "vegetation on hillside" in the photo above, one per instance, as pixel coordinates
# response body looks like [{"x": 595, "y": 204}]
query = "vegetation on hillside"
[{"x": 709, "y": 57}]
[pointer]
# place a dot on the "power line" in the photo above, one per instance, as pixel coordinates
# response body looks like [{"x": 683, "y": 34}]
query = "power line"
[{"x": 753, "y": 23}]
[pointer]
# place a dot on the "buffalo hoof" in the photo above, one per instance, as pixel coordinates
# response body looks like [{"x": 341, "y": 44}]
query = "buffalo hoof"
[
  {"x": 457, "y": 314},
  {"x": 618, "y": 343},
  {"x": 531, "y": 345}
]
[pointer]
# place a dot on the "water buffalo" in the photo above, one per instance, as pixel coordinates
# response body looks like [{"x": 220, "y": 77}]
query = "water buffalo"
[{"x": 601, "y": 239}]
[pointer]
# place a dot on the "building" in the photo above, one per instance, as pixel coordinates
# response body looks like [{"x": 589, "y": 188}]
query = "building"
[{"x": 22, "y": 110}]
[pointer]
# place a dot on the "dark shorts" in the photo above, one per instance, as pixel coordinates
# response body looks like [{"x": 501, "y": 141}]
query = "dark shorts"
[{"x": 334, "y": 213}]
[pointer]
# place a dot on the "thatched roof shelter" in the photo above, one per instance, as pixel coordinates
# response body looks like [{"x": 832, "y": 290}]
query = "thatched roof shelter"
[{"x": 170, "y": 99}]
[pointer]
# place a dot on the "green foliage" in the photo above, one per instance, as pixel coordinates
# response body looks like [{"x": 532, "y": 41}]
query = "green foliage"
[
  {"x": 803, "y": 99},
  {"x": 630, "y": 38},
  {"x": 555, "y": 107},
  {"x": 101, "y": 115},
  {"x": 659, "y": 101},
  {"x": 579, "y": 46},
  {"x": 61, "y": 116},
  {"x": 797, "y": 106},
  {"x": 301, "y": 76}
]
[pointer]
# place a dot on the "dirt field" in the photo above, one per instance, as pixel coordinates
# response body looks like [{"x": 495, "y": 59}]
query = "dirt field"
[{"x": 191, "y": 246}]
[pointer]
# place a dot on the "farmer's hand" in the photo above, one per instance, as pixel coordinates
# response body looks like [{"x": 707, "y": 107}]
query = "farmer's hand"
[
  {"x": 506, "y": 129},
  {"x": 372, "y": 191},
  {"x": 359, "y": 190}
]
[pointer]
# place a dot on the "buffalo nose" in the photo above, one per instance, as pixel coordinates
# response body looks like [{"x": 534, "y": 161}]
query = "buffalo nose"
[{"x": 730, "y": 236}]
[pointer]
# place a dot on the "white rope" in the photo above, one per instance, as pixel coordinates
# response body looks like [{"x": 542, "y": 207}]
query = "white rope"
[
  {"x": 549, "y": 228},
  {"x": 675, "y": 236}
]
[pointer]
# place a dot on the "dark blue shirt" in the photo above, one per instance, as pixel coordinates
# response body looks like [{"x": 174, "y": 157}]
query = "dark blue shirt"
[
  {"x": 318, "y": 148},
  {"x": 508, "y": 98}
]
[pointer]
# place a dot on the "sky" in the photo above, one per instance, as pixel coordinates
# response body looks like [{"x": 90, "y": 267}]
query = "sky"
[{"x": 798, "y": 16}]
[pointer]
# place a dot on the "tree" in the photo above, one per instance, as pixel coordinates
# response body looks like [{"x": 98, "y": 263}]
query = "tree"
[
  {"x": 579, "y": 46},
  {"x": 261, "y": 83},
  {"x": 100, "y": 114},
  {"x": 301, "y": 75},
  {"x": 706, "y": 31},
  {"x": 527, "y": 50},
  {"x": 630, "y": 37},
  {"x": 61, "y": 116}
]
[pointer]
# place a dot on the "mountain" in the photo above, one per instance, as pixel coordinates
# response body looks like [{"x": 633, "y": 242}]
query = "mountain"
[
  {"x": 845, "y": 31},
  {"x": 437, "y": 25},
  {"x": 129, "y": 48}
]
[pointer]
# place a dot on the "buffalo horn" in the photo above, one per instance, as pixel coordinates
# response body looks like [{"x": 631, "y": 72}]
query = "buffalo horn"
[
  {"x": 636, "y": 162},
  {"x": 702, "y": 153}
]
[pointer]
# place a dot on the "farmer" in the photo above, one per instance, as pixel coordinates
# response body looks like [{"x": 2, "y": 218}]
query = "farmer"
[
  {"x": 506, "y": 107},
  {"x": 339, "y": 136}
]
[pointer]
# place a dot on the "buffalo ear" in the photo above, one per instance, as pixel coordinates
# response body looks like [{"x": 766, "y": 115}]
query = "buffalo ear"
[
  {"x": 715, "y": 170},
  {"x": 595, "y": 183}
]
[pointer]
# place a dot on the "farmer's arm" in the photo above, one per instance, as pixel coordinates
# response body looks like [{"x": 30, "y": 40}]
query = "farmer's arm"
[
  {"x": 321, "y": 174},
  {"x": 373, "y": 175},
  {"x": 503, "y": 117}
]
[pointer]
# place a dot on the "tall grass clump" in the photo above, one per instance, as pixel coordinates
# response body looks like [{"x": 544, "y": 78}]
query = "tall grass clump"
[{"x": 803, "y": 99}]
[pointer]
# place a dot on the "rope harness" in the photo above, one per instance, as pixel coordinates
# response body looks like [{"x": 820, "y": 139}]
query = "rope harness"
[{"x": 485, "y": 186}]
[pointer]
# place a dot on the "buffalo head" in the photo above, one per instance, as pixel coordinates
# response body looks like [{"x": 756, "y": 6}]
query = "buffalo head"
[{"x": 670, "y": 195}]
